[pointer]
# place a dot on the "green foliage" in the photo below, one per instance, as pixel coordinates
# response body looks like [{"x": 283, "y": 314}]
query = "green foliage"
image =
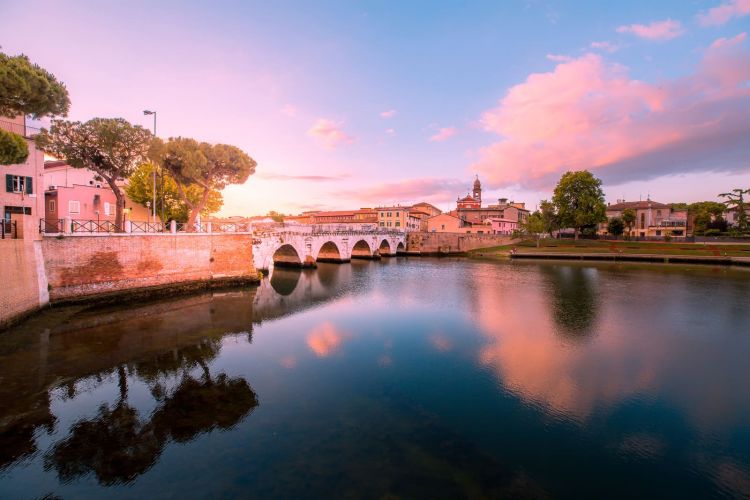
[
  {"x": 140, "y": 189},
  {"x": 704, "y": 213},
  {"x": 535, "y": 226},
  {"x": 277, "y": 217},
  {"x": 735, "y": 199},
  {"x": 13, "y": 148},
  {"x": 549, "y": 216},
  {"x": 579, "y": 200},
  {"x": 628, "y": 218},
  {"x": 711, "y": 232},
  {"x": 111, "y": 147},
  {"x": 27, "y": 89},
  {"x": 615, "y": 226},
  {"x": 211, "y": 167}
]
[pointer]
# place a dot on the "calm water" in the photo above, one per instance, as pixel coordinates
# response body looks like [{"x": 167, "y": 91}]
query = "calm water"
[{"x": 404, "y": 378}]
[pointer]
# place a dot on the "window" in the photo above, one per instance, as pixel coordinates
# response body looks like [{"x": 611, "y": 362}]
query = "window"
[
  {"x": 74, "y": 207},
  {"x": 390, "y": 214},
  {"x": 389, "y": 223},
  {"x": 442, "y": 226},
  {"x": 52, "y": 205},
  {"x": 16, "y": 210},
  {"x": 382, "y": 214},
  {"x": 643, "y": 221},
  {"x": 106, "y": 208},
  {"x": 658, "y": 213},
  {"x": 382, "y": 224},
  {"x": 398, "y": 223},
  {"x": 19, "y": 184},
  {"x": 398, "y": 214}
]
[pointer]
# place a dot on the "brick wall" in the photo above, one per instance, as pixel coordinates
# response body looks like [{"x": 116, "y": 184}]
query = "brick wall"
[
  {"x": 79, "y": 267},
  {"x": 18, "y": 275},
  {"x": 446, "y": 243}
]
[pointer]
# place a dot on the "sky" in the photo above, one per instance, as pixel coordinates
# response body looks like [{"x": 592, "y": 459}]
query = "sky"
[{"x": 347, "y": 104}]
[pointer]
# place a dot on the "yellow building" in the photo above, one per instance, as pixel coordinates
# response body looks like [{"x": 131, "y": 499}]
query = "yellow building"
[{"x": 399, "y": 218}]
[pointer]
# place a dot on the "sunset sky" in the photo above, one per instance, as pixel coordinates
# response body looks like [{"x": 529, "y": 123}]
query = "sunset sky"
[{"x": 349, "y": 104}]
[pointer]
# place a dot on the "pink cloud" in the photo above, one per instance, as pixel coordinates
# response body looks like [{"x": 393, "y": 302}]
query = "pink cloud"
[
  {"x": 728, "y": 42},
  {"x": 605, "y": 46},
  {"x": 444, "y": 134},
  {"x": 589, "y": 114},
  {"x": 289, "y": 110},
  {"x": 559, "y": 57},
  {"x": 388, "y": 114},
  {"x": 724, "y": 12},
  {"x": 329, "y": 133},
  {"x": 429, "y": 189},
  {"x": 657, "y": 30}
]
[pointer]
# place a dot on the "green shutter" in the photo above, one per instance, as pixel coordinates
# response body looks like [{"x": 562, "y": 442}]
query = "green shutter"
[
  {"x": 9, "y": 183},
  {"x": 29, "y": 185}
]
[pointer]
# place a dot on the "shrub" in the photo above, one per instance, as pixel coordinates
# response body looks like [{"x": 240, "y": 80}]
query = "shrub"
[{"x": 711, "y": 232}]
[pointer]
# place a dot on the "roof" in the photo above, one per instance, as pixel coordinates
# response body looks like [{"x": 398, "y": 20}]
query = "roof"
[
  {"x": 469, "y": 198},
  {"x": 636, "y": 205},
  {"x": 425, "y": 204},
  {"x": 334, "y": 213},
  {"x": 55, "y": 164},
  {"x": 444, "y": 214}
]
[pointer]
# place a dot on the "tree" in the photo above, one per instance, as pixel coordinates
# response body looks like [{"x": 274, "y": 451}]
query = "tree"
[
  {"x": 535, "y": 226},
  {"x": 579, "y": 200},
  {"x": 615, "y": 226},
  {"x": 140, "y": 190},
  {"x": 13, "y": 148},
  {"x": 277, "y": 217},
  {"x": 111, "y": 147},
  {"x": 549, "y": 216},
  {"x": 703, "y": 213},
  {"x": 735, "y": 199},
  {"x": 210, "y": 167},
  {"x": 26, "y": 89},
  {"x": 628, "y": 218}
]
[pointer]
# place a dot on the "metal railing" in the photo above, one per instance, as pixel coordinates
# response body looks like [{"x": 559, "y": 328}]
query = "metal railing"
[
  {"x": 8, "y": 229},
  {"x": 93, "y": 226},
  {"x": 146, "y": 227},
  {"x": 54, "y": 226},
  {"x": 232, "y": 227}
]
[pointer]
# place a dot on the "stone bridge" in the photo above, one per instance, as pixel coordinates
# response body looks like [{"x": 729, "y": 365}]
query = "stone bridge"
[{"x": 300, "y": 248}]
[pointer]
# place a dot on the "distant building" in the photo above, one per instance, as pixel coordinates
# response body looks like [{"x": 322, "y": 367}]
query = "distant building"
[
  {"x": 652, "y": 219},
  {"x": 427, "y": 208},
  {"x": 469, "y": 208},
  {"x": 400, "y": 218},
  {"x": 732, "y": 215},
  {"x": 23, "y": 181},
  {"x": 444, "y": 223},
  {"x": 364, "y": 219}
]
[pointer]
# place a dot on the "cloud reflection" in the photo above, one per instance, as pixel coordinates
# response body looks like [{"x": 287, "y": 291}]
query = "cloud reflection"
[{"x": 325, "y": 340}]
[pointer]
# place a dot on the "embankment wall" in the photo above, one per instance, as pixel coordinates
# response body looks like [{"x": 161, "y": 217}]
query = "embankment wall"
[
  {"x": 452, "y": 243},
  {"x": 82, "y": 267}
]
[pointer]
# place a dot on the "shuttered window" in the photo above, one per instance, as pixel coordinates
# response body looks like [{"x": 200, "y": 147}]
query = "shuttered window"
[{"x": 19, "y": 184}]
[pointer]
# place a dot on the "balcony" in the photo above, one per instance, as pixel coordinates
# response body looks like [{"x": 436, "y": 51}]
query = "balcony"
[{"x": 19, "y": 128}]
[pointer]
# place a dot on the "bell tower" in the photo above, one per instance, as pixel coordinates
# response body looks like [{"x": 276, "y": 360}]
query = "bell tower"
[{"x": 477, "y": 190}]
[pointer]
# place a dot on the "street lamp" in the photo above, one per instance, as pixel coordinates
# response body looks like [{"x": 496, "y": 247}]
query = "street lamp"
[{"x": 153, "y": 206}]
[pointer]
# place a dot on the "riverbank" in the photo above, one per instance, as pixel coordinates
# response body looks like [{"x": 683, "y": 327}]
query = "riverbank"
[{"x": 623, "y": 251}]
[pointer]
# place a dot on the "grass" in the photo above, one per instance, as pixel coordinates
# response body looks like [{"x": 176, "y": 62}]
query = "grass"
[{"x": 621, "y": 247}]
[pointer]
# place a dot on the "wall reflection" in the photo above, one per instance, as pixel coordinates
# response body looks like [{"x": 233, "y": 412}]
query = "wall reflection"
[{"x": 160, "y": 344}]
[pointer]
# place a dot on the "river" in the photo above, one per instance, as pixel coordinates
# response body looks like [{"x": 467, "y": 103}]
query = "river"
[{"x": 408, "y": 377}]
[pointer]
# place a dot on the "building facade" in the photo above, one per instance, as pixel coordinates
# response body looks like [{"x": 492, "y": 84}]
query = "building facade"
[
  {"x": 23, "y": 182},
  {"x": 470, "y": 210},
  {"x": 652, "y": 219}
]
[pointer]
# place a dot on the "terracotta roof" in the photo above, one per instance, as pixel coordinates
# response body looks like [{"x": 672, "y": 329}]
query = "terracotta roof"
[
  {"x": 468, "y": 198},
  {"x": 55, "y": 163},
  {"x": 637, "y": 205}
]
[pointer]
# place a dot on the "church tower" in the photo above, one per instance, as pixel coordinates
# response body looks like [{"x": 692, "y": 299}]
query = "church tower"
[{"x": 478, "y": 190}]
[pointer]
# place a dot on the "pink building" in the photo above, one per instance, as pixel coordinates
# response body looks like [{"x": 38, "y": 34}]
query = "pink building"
[
  {"x": 23, "y": 181},
  {"x": 78, "y": 193},
  {"x": 503, "y": 226}
]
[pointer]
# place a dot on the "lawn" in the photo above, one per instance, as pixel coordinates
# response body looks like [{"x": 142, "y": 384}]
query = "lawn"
[{"x": 622, "y": 247}]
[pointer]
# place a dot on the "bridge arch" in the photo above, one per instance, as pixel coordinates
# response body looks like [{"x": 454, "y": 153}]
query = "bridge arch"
[
  {"x": 286, "y": 256},
  {"x": 362, "y": 250},
  {"x": 385, "y": 248},
  {"x": 400, "y": 248},
  {"x": 330, "y": 252}
]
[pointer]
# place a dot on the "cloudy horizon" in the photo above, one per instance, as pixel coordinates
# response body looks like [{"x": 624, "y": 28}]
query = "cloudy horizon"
[{"x": 348, "y": 105}]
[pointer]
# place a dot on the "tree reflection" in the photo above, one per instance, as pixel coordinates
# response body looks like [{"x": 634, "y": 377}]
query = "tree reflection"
[
  {"x": 117, "y": 445},
  {"x": 573, "y": 299}
]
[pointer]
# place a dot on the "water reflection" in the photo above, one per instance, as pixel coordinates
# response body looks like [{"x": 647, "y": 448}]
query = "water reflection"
[
  {"x": 573, "y": 299},
  {"x": 158, "y": 344}
]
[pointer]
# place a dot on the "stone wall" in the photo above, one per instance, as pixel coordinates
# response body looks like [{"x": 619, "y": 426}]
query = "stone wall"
[
  {"x": 452, "y": 243},
  {"x": 22, "y": 277},
  {"x": 82, "y": 267}
]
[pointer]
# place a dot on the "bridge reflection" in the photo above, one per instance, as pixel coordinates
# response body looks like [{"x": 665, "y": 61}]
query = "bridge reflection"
[{"x": 169, "y": 346}]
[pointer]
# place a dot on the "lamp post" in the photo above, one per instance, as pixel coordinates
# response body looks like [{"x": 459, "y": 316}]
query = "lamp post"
[{"x": 153, "y": 206}]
